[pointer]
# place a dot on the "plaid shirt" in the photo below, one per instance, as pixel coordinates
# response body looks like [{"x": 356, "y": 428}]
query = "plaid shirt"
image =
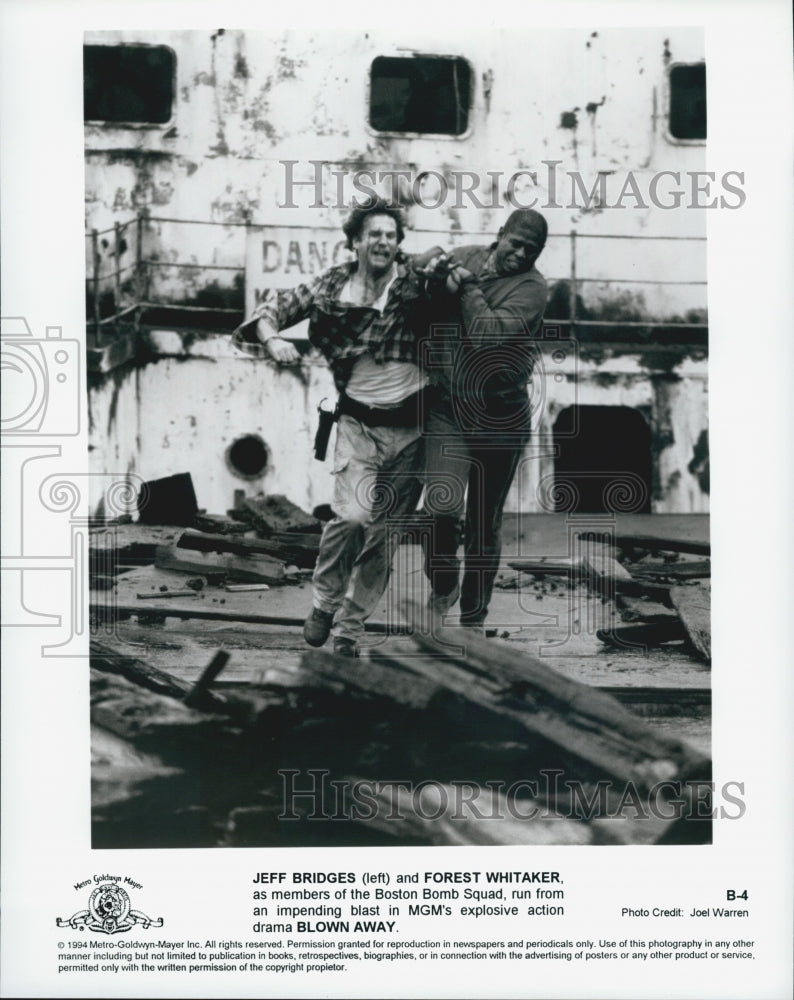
[{"x": 343, "y": 332}]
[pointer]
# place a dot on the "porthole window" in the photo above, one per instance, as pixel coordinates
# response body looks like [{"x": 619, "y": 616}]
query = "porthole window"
[{"x": 247, "y": 457}]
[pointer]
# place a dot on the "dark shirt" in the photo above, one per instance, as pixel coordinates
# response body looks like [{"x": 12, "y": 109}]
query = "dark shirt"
[{"x": 481, "y": 344}]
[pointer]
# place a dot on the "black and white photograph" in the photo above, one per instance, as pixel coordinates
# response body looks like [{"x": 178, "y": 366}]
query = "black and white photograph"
[
  {"x": 484, "y": 279},
  {"x": 360, "y": 501}
]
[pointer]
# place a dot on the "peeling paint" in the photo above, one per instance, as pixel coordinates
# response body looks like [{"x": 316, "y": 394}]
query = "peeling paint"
[
  {"x": 255, "y": 99},
  {"x": 699, "y": 466},
  {"x": 593, "y": 106},
  {"x": 487, "y": 87}
]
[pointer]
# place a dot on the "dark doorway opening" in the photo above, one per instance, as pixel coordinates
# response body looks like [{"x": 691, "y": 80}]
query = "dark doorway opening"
[{"x": 603, "y": 464}]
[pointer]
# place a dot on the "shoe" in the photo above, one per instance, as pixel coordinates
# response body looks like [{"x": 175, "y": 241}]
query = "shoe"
[
  {"x": 343, "y": 646},
  {"x": 441, "y": 603},
  {"x": 473, "y": 626},
  {"x": 317, "y": 627}
]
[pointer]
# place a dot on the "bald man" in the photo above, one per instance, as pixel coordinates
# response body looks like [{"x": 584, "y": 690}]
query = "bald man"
[{"x": 489, "y": 303}]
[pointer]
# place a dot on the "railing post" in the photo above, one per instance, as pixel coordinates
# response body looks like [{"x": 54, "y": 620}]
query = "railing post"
[
  {"x": 117, "y": 258},
  {"x": 140, "y": 279},
  {"x": 95, "y": 253},
  {"x": 572, "y": 287}
]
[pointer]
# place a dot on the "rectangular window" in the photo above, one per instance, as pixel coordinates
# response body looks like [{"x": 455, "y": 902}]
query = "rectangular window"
[
  {"x": 425, "y": 94},
  {"x": 688, "y": 101},
  {"x": 128, "y": 84}
]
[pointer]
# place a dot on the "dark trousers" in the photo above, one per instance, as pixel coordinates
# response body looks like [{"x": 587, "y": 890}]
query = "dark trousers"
[{"x": 469, "y": 471}]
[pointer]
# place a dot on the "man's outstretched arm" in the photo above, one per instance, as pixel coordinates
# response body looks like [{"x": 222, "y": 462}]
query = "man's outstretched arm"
[{"x": 278, "y": 310}]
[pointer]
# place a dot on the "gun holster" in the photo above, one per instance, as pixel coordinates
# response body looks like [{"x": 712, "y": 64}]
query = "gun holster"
[{"x": 327, "y": 419}]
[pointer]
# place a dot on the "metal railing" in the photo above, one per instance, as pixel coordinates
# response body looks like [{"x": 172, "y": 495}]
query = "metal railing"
[{"x": 141, "y": 268}]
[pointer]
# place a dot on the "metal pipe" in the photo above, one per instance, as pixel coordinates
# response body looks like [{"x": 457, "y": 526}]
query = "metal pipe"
[
  {"x": 203, "y": 267},
  {"x": 181, "y": 308}
]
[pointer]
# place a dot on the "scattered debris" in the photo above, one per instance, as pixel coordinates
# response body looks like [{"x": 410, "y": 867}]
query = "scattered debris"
[
  {"x": 171, "y": 500},
  {"x": 193, "y": 755},
  {"x": 455, "y": 701},
  {"x": 287, "y": 547},
  {"x": 217, "y": 524},
  {"x": 165, "y": 592},
  {"x": 656, "y": 543},
  {"x": 693, "y": 604},
  {"x": 274, "y": 514},
  {"x": 246, "y": 569}
]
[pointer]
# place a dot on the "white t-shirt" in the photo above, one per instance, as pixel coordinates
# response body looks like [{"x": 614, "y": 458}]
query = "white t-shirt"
[{"x": 381, "y": 384}]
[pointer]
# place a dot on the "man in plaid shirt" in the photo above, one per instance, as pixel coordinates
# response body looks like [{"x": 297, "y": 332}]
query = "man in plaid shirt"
[{"x": 366, "y": 318}]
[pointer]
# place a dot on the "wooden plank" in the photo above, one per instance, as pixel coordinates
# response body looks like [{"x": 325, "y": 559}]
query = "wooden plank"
[
  {"x": 639, "y": 588},
  {"x": 383, "y": 676},
  {"x": 656, "y": 543},
  {"x": 166, "y": 593},
  {"x": 694, "y": 606},
  {"x": 602, "y": 570},
  {"x": 300, "y": 549},
  {"x": 700, "y": 569},
  {"x": 130, "y": 544},
  {"x": 199, "y": 541},
  {"x": 275, "y": 513},
  {"x": 218, "y": 524},
  {"x": 633, "y": 609},
  {"x": 246, "y": 569},
  {"x": 197, "y": 696},
  {"x": 107, "y": 612},
  {"x": 573, "y": 735},
  {"x": 645, "y": 634},
  {"x": 107, "y": 658},
  {"x": 546, "y": 565},
  {"x": 257, "y": 652},
  {"x": 493, "y": 659}
]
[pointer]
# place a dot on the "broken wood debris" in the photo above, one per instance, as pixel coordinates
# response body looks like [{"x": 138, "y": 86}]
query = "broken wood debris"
[
  {"x": 246, "y": 569},
  {"x": 460, "y": 706},
  {"x": 672, "y": 570},
  {"x": 300, "y": 549},
  {"x": 693, "y": 604},
  {"x": 198, "y": 694},
  {"x": 218, "y": 524},
  {"x": 692, "y": 621},
  {"x": 166, "y": 593},
  {"x": 273, "y": 514},
  {"x": 104, "y": 613},
  {"x": 656, "y": 543},
  {"x": 645, "y": 634},
  {"x": 171, "y": 500},
  {"x": 522, "y": 678}
]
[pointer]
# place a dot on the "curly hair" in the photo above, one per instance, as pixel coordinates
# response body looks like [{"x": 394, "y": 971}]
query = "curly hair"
[{"x": 355, "y": 221}]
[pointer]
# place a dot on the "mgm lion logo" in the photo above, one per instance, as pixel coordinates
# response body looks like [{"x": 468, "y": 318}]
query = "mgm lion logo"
[{"x": 108, "y": 912}]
